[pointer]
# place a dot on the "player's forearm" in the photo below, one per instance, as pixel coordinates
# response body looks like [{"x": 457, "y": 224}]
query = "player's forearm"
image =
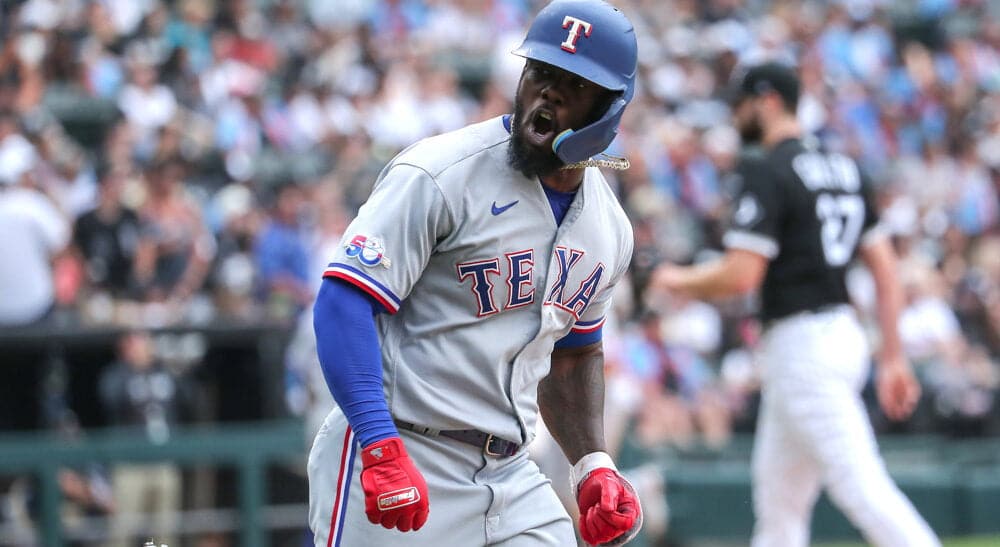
[
  {"x": 890, "y": 303},
  {"x": 707, "y": 282},
  {"x": 712, "y": 280},
  {"x": 348, "y": 349},
  {"x": 881, "y": 261},
  {"x": 571, "y": 400}
]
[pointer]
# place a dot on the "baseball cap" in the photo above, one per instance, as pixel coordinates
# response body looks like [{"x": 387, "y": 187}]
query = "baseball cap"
[
  {"x": 765, "y": 78},
  {"x": 17, "y": 157}
]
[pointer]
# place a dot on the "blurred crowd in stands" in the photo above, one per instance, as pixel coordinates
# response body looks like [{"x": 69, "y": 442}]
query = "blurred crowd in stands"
[{"x": 195, "y": 161}]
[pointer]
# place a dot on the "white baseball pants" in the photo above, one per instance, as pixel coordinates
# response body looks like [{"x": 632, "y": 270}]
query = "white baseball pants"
[
  {"x": 813, "y": 432},
  {"x": 474, "y": 499}
]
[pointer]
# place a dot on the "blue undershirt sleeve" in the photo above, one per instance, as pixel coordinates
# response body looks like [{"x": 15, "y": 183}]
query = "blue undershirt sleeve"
[
  {"x": 349, "y": 352},
  {"x": 579, "y": 339}
]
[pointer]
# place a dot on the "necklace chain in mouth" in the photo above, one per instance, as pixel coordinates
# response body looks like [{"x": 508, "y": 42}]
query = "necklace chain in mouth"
[{"x": 618, "y": 163}]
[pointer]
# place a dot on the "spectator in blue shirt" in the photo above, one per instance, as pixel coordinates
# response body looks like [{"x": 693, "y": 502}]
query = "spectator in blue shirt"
[{"x": 282, "y": 256}]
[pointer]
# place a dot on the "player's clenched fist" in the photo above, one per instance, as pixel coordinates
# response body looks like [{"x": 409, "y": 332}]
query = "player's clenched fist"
[
  {"x": 395, "y": 492},
  {"x": 610, "y": 513}
]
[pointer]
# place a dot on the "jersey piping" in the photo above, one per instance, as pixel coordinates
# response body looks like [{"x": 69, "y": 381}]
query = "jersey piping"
[{"x": 363, "y": 281}]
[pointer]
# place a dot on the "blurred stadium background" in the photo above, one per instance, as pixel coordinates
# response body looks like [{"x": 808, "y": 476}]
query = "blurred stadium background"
[{"x": 175, "y": 172}]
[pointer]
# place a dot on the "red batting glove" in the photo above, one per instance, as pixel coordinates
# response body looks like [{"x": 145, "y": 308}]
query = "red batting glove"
[
  {"x": 395, "y": 492},
  {"x": 610, "y": 512}
]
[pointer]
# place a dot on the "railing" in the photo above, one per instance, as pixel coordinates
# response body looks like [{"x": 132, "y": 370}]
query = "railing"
[
  {"x": 955, "y": 484},
  {"x": 248, "y": 447}
]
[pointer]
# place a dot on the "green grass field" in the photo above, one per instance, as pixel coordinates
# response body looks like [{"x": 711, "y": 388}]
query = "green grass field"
[
  {"x": 978, "y": 541},
  {"x": 992, "y": 541}
]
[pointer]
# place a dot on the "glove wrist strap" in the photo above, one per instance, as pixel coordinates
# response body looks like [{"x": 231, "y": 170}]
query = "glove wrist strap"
[
  {"x": 383, "y": 451},
  {"x": 587, "y": 464}
]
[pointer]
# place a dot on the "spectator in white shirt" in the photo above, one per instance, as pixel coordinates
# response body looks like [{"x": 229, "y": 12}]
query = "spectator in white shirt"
[
  {"x": 34, "y": 232},
  {"x": 146, "y": 103}
]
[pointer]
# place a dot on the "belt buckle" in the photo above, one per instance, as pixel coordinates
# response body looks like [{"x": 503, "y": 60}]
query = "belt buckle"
[{"x": 487, "y": 447}]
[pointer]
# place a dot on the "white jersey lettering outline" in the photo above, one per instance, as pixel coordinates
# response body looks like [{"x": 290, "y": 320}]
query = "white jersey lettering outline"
[
  {"x": 581, "y": 299},
  {"x": 565, "y": 264},
  {"x": 520, "y": 272},
  {"x": 519, "y": 277},
  {"x": 482, "y": 287}
]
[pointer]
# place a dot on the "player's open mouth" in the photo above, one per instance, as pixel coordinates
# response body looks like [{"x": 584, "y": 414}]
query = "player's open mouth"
[{"x": 541, "y": 127}]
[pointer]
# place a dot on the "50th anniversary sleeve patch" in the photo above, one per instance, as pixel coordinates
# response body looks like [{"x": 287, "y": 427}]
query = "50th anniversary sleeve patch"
[{"x": 368, "y": 250}]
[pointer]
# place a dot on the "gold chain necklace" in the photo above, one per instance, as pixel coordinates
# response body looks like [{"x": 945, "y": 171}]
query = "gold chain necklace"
[{"x": 606, "y": 160}]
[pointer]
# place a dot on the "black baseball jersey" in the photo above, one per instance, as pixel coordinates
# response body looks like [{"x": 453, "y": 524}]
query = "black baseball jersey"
[{"x": 806, "y": 210}]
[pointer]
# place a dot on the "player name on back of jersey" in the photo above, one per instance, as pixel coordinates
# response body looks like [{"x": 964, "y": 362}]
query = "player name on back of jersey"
[
  {"x": 830, "y": 171},
  {"x": 816, "y": 217}
]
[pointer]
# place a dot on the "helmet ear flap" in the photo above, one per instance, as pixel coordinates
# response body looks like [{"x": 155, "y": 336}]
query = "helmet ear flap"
[{"x": 576, "y": 146}]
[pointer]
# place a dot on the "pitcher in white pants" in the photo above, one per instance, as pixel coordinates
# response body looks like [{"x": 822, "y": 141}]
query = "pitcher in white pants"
[
  {"x": 813, "y": 432},
  {"x": 801, "y": 215}
]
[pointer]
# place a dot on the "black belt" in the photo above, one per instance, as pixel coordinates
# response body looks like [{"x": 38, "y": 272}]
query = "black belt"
[{"x": 491, "y": 444}]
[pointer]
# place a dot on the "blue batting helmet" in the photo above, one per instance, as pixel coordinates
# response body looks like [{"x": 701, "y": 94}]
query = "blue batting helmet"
[{"x": 595, "y": 41}]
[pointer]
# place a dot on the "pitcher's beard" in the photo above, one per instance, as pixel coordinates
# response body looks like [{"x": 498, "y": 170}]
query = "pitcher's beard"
[
  {"x": 752, "y": 132},
  {"x": 525, "y": 158}
]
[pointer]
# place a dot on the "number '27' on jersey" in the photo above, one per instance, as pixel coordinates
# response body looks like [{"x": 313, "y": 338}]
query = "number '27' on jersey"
[{"x": 807, "y": 210}]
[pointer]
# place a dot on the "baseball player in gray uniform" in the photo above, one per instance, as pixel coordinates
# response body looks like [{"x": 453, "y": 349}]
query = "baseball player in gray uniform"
[
  {"x": 467, "y": 299},
  {"x": 801, "y": 215}
]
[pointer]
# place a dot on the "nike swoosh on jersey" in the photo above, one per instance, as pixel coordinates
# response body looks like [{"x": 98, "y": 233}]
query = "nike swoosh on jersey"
[{"x": 498, "y": 210}]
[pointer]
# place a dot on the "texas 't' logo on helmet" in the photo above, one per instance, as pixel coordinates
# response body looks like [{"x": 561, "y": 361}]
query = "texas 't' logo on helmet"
[{"x": 577, "y": 28}]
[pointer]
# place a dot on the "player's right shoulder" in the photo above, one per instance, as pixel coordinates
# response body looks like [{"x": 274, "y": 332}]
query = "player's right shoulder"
[
  {"x": 753, "y": 157},
  {"x": 456, "y": 149},
  {"x": 753, "y": 167}
]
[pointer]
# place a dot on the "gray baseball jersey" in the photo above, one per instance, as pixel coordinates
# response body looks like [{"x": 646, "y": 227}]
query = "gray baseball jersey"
[{"x": 480, "y": 282}]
